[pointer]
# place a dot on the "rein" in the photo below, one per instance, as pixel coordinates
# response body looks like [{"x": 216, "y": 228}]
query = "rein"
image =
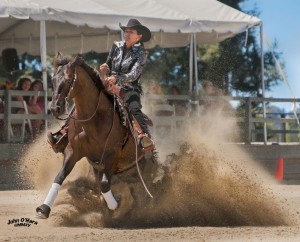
[
  {"x": 133, "y": 131},
  {"x": 69, "y": 114},
  {"x": 88, "y": 119}
]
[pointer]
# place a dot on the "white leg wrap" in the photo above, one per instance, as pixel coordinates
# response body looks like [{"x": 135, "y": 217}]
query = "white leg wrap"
[
  {"x": 110, "y": 200},
  {"x": 52, "y": 194}
]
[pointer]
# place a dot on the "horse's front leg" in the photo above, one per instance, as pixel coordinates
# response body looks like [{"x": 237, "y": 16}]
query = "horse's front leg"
[
  {"x": 104, "y": 181},
  {"x": 106, "y": 192},
  {"x": 44, "y": 210}
]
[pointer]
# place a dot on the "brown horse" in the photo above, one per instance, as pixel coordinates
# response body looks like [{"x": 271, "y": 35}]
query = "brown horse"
[{"x": 95, "y": 130}]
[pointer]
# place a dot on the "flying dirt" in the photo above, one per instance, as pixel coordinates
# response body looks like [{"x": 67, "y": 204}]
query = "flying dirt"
[{"x": 202, "y": 181}]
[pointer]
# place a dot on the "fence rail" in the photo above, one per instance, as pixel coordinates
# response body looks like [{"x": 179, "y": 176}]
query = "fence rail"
[
  {"x": 8, "y": 115},
  {"x": 247, "y": 111},
  {"x": 249, "y": 114}
]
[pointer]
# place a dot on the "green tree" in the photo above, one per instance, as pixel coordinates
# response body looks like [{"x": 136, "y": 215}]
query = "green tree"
[
  {"x": 168, "y": 67},
  {"x": 231, "y": 65},
  {"x": 236, "y": 66}
]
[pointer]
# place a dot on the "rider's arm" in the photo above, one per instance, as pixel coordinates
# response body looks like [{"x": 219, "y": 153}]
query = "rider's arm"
[{"x": 135, "y": 71}]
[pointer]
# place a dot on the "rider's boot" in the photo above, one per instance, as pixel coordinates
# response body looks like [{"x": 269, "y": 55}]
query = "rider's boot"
[
  {"x": 143, "y": 137},
  {"x": 58, "y": 140},
  {"x": 146, "y": 142}
]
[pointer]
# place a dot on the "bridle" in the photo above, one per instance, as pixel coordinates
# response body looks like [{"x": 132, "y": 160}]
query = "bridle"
[{"x": 70, "y": 84}]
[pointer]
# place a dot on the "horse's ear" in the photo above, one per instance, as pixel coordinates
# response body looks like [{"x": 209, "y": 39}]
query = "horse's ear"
[
  {"x": 59, "y": 55},
  {"x": 56, "y": 61}
]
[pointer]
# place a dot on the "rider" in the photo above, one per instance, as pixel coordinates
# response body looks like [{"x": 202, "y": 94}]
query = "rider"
[{"x": 123, "y": 69}]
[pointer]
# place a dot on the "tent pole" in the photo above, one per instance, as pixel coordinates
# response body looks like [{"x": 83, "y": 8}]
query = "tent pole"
[
  {"x": 263, "y": 81},
  {"x": 196, "y": 65},
  {"x": 191, "y": 64},
  {"x": 43, "y": 53}
]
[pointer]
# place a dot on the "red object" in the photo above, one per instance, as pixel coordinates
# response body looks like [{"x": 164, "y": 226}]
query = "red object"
[{"x": 279, "y": 170}]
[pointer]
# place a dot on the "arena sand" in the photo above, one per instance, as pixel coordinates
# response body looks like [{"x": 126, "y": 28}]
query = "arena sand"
[{"x": 202, "y": 180}]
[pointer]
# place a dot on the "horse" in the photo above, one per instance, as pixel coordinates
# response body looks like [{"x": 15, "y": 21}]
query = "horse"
[{"x": 95, "y": 130}]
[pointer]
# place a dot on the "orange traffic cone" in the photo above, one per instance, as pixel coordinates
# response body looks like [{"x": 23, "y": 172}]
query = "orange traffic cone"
[{"x": 279, "y": 170}]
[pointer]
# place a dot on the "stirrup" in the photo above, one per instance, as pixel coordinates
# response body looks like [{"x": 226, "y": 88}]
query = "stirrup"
[
  {"x": 59, "y": 144},
  {"x": 146, "y": 143}
]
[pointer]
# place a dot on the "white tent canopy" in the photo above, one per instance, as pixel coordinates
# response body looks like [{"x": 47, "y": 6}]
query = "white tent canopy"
[
  {"x": 80, "y": 26},
  {"x": 72, "y": 26}
]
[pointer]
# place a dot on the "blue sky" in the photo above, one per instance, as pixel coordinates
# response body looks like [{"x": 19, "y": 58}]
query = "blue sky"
[{"x": 281, "y": 19}]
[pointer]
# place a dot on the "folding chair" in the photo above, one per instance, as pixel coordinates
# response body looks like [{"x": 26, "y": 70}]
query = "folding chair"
[{"x": 19, "y": 122}]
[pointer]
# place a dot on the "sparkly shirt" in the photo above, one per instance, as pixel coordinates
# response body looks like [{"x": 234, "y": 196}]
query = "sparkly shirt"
[{"x": 127, "y": 65}]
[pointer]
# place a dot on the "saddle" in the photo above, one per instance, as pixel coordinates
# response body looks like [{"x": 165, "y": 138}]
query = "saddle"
[
  {"x": 119, "y": 95},
  {"x": 143, "y": 140}
]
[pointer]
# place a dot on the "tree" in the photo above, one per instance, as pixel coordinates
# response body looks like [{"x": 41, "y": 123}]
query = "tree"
[
  {"x": 231, "y": 65},
  {"x": 237, "y": 67},
  {"x": 168, "y": 67}
]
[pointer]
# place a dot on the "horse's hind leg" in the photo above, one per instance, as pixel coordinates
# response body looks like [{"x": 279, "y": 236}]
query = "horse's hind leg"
[{"x": 107, "y": 194}]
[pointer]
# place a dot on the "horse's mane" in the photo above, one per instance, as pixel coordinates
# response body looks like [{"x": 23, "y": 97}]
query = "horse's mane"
[
  {"x": 92, "y": 72},
  {"x": 61, "y": 61}
]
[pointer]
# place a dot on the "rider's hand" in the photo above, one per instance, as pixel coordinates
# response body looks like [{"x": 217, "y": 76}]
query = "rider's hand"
[
  {"x": 112, "y": 80},
  {"x": 104, "y": 69}
]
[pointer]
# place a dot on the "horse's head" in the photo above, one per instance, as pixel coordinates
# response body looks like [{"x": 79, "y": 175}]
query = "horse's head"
[{"x": 62, "y": 81}]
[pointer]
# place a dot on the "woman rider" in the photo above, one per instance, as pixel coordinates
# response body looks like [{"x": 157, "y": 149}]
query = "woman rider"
[{"x": 123, "y": 69}]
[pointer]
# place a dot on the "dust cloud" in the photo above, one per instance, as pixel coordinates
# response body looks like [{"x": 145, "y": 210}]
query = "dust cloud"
[{"x": 203, "y": 179}]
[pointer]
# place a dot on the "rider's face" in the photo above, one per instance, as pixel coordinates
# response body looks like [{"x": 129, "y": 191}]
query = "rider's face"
[{"x": 131, "y": 37}]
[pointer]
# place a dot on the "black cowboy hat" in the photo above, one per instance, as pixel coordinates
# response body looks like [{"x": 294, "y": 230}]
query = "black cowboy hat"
[{"x": 135, "y": 24}]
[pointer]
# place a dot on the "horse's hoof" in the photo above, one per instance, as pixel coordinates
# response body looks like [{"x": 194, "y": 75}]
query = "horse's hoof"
[{"x": 43, "y": 211}]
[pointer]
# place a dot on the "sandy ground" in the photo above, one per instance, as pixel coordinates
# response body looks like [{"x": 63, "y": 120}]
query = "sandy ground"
[
  {"x": 204, "y": 190},
  {"x": 21, "y": 204}
]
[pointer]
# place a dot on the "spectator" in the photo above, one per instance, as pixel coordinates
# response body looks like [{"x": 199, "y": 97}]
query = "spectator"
[
  {"x": 154, "y": 88},
  {"x": 8, "y": 85},
  {"x": 24, "y": 84},
  {"x": 207, "y": 97},
  {"x": 209, "y": 89},
  {"x": 180, "y": 105},
  {"x": 37, "y": 85},
  {"x": 174, "y": 90}
]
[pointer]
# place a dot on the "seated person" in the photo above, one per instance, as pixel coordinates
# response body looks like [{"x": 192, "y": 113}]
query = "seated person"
[
  {"x": 180, "y": 105},
  {"x": 24, "y": 84},
  {"x": 37, "y": 85},
  {"x": 8, "y": 85},
  {"x": 208, "y": 91}
]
